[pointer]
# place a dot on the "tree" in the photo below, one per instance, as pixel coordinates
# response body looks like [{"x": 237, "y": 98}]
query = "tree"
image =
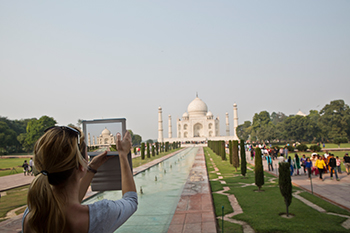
[
  {"x": 259, "y": 172},
  {"x": 243, "y": 159},
  {"x": 244, "y": 130},
  {"x": 235, "y": 158},
  {"x": 153, "y": 152},
  {"x": 8, "y": 137},
  {"x": 223, "y": 150},
  {"x": 143, "y": 151},
  {"x": 335, "y": 119},
  {"x": 148, "y": 151},
  {"x": 157, "y": 148},
  {"x": 230, "y": 150},
  {"x": 277, "y": 117},
  {"x": 35, "y": 129},
  {"x": 135, "y": 138},
  {"x": 340, "y": 140},
  {"x": 285, "y": 183}
]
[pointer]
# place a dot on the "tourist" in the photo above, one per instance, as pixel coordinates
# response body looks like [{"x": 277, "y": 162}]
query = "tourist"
[
  {"x": 269, "y": 162},
  {"x": 302, "y": 163},
  {"x": 31, "y": 164},
  {"x": 290, "y": 161},
  {"x": 25, "y": 168},
  {"x": 281, "y": 152},
  {"x": 314, "y": 168},
  {"x": 346, "y": 160},
  {"x": 55, "y": 195},
  {"x": 320, "y": 164},
  {"x": 308, "y": 165},
  {"x": 338, "y": 164},
  {"x": 286, "y": 151},
  {"x": 333, "y": 164},
  {"x": 296, "y": 162}
]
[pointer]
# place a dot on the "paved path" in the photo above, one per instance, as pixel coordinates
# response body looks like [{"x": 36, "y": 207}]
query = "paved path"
[
  {"x": 336, "y": 192},
  {"x": 195, "y": 210}
]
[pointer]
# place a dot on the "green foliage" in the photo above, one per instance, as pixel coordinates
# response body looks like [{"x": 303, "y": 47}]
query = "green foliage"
[
  {"x": 285, "y": 183},
  {"x": 244, "y": 130},
  {"x": 157, "y": 148},
  {"x": 135, "y": 148},
  {"x": 243, "y": 159},
  {"x": 230, "y": 150},
  {"x": 339, "y": 140},
  {"x": 148, "y": 151},
  {"x": 302, "y": 147},
  {"x": 235, "y": 158},
  {"x": 166, "y": 146},
  {"x": 290, "y": 148},
  {"x": 222, "y": 150},
  {"x": 315, "y": 148},
  {"x": 35, "y": 129},
  {"x": 259, "y": 172},
  {"x": 153, "y": 152},
  {"x": 142, "y": 150},
  {"x": 150, "y": 141}
]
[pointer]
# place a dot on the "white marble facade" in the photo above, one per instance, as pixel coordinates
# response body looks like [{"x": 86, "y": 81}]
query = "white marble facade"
[
  {"x": 197, "y": 124},
  {"x": 106, "y": 138}
]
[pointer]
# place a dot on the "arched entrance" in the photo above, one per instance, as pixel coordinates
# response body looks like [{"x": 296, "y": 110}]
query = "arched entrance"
[{"x": 198, "y": 130}]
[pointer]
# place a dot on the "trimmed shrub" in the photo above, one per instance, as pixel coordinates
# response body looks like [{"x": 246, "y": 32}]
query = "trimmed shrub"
[
  {"x": 135, "y": 150},
  {"x": 157, "y": 148},
  {"x": 235, "y": 158},
  {"x": 302, "y": 147},
  {"x": 230, "y": 150},
  {"x": 259, "y": 172},
  {"x": 290, "y": 148},
  {"x": 243, "y": 159},
  {"x": 153, "y": 152},
  {"x": 223, "y": 150},
  {"x": 285, "y": 183},
  {"x": 148, "y": 151},
  {"x": 143, "y": 150},
  {"x": 315, "y": 148}
]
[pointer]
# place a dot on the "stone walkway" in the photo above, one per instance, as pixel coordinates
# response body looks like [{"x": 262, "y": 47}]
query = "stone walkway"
[{"x": 195, "y": 211}]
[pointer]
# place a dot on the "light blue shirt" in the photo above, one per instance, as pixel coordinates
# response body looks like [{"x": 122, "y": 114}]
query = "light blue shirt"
[{"x": 106, "y": 215}]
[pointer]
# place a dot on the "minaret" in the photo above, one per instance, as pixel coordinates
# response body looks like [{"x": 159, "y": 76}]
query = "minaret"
[
  {"x": 227, "y": 126},
  {"x": 170, "y": 133},
  {"x": 160, "y": 125},
  {"x": 93, "y": 140},
  {"x": 235, "y": 121},
  {"x": 89, "y": 140}
]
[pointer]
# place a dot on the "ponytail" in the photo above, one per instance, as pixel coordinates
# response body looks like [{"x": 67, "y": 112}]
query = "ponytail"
[{"x": 45, "y": 207}]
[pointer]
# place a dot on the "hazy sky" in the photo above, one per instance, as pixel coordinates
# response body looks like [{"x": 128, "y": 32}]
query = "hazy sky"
[{"x": 110, "y": 59}]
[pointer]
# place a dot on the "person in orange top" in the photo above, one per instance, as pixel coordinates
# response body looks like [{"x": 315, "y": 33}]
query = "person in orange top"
[{"x": 320, "y": 164}]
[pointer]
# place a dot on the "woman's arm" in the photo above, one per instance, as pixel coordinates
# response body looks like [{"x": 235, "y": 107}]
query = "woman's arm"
[
  {"x": 124, "y": 147},
  {"x": 85, "y": 182}
]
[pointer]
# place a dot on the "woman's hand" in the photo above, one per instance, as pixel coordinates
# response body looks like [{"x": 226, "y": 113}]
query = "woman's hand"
[
  {"x": 98, "y": 160},
  {"x": 124, "y": 146}
]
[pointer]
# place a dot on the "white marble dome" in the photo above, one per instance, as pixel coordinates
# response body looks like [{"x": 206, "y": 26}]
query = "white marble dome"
[
  {"x": 197, "y": 108},
  {"x": 209, "y": 114},
  {"x": 185, "y": 115},
  {"x": 105, "y": 132}
]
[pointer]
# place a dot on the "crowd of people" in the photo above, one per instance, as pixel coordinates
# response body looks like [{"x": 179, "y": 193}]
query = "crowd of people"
[{"x": 316, "y": 164}]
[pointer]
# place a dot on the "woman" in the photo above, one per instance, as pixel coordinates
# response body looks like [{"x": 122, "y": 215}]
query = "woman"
[
  {"x": 296, "y": 164},
  {"x": 55, "y": 195},
  {"x": 321, "y": 165},
  {"x": 308, "y": 165},
  {"x": 290, "y": 161}
]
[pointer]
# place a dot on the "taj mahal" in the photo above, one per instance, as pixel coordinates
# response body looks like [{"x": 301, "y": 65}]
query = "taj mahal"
[
  {"x": 105, "y": 139},
  {"x": 197, "y": 125}
]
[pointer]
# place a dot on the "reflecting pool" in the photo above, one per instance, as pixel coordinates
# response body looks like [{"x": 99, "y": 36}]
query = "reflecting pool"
[{"x": 161, "y": 187}]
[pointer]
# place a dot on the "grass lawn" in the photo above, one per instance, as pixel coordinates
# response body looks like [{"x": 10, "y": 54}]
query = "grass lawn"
[
  {"x": 261, "y": 209},
  {"x": 13, "y": 199},
  {"x": 9, "y": 163}
]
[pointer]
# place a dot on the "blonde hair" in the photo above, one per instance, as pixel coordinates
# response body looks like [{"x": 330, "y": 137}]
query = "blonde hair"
[{"x": 56, "y": 154}]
